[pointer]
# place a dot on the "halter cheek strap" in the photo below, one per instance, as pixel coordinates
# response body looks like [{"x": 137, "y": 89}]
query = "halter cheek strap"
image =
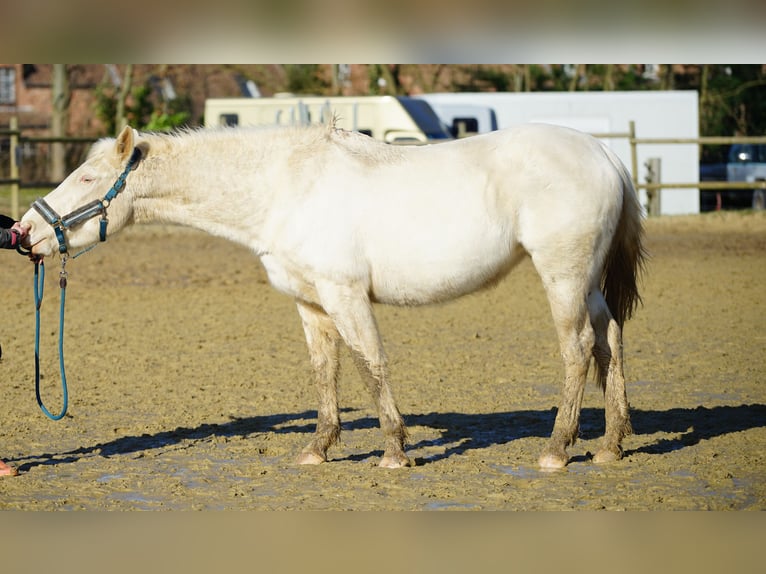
[{"x": 87, "y": 211}]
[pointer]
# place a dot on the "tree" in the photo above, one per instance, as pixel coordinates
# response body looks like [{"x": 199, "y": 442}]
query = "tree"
[
  {"x": 119, "y": 102},
  {"x": 732, "y": 103},
  {"x": 305, "y": 79},
  {"x": 120, "y": 116},
  {"x": 61, "y": 95}
]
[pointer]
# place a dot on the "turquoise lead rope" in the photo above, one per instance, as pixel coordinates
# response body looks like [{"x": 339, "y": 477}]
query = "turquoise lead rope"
[
  {"x": 59, "y": 224},
  {"x": 39, "y": 286}
]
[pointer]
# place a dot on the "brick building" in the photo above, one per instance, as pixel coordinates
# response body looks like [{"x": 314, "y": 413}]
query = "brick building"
[{"x": 26, "y": 91}]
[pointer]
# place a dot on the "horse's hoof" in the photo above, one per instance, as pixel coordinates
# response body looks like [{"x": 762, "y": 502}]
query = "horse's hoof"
[
  {"x": 604, "y": 456},
  {"x": 399, "y": 460},
  {"x": 310, "y": 458},
  {"x": 552, "y": 462}
]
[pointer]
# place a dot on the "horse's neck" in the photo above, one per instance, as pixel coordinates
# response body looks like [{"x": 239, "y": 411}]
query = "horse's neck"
[{"x": 202, "y": 186}]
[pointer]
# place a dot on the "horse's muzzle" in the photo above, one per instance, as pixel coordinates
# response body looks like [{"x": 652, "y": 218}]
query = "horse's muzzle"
[{"x": 38, "y": 241}]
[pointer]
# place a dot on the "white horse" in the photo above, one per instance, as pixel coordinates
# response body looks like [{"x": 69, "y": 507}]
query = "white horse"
[{"x": 341, "y": 221}]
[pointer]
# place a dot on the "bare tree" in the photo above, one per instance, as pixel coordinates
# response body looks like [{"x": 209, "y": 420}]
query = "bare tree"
[
  {"x": 522, "y": 78},
  {"x": 667, "y": 77},
  {"x": 120, "y": 117},
  {"x": 580, "y": 76},
  {"x": 61, "y": 96}
]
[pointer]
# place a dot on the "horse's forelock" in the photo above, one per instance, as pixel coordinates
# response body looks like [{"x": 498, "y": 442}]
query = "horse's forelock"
[{"x": 100, "y": 147}]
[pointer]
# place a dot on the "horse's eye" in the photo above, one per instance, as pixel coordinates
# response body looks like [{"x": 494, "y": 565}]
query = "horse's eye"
[{"x": 86, "y": 179}]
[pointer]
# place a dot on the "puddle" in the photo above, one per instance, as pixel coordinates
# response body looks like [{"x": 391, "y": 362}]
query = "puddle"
[
  {"x": 451, "y": 506},
  {"x": 525, "y": 472},
  {"x": 108, "y": 477}
]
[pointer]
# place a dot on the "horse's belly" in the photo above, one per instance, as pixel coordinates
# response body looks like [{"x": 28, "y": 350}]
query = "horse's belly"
[{"x": 417, "y": 277}]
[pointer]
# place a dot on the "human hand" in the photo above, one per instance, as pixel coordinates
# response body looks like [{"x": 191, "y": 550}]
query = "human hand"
[{"x": 21, "y": 228}]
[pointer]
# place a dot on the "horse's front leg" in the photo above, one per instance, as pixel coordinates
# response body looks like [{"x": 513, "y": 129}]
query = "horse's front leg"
[
  {"x": 323, "y": 342},
  {"x": 375, "y": 376},
  {"x": 350, "y": 308}
]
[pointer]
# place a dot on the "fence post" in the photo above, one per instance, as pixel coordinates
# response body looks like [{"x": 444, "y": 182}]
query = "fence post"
[
  {"x": 14, "y": 124},
  {"x": 633, "y": 152},
  {"x": 653, "y": 175}
]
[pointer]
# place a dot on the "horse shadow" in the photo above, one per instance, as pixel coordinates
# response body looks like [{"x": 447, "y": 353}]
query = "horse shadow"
[
  {"x": 688, "y": 426},
  {"x": 458, "y": 432}
]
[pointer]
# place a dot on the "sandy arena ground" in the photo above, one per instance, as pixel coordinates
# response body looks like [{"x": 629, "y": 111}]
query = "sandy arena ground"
[{"x": 190, "y": 387}]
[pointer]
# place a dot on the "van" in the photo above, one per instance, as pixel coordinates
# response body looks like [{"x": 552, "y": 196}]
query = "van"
[
  {"x": 390, "y": 119},
  {"x": 463, "y": 119}
]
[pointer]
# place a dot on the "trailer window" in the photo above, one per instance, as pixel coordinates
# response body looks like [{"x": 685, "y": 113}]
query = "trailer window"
[
  {"x": 228, "y": 120},
  {"x": 425, "y": 118}
]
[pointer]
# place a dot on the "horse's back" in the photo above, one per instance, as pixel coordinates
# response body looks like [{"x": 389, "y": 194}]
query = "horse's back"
[{"x": 431, "y": 223}]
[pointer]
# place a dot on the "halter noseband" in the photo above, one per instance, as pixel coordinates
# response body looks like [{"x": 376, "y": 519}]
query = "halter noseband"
[{"x": 87, "y": 211}]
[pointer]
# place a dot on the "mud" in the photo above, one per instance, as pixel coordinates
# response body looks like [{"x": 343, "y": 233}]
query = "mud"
[{"x": 190, "y": 387}]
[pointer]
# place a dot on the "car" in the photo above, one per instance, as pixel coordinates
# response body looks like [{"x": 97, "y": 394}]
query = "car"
[
  {"x": 713, "y": 199},
  {"x": 747, "y": 162}
]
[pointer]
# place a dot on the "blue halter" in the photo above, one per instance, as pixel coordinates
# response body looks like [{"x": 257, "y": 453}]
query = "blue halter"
[
  {"x": 59, "y": 224},
  {"x": 87, "y": 211}
]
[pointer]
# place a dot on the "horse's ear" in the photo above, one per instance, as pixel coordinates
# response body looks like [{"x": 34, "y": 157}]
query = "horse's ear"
[{"x": 126, "y": 144}]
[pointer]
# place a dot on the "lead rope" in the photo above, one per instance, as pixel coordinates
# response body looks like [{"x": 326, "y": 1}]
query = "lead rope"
[
  {"x": 59, "y": 224},
  {"x": 39, "y": 285}
]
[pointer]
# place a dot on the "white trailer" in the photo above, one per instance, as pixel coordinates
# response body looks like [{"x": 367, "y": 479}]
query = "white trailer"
[
  {"x": 397, "y": 120},
  {"x": 657, "y": 114}
]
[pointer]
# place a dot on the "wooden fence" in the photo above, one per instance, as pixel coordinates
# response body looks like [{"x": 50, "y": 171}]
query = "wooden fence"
[
  {"x": 653, "y": 187},
  {"x": 17, "y": 138}
]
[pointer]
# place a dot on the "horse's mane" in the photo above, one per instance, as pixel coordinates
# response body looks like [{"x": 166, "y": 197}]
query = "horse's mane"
[
  {"x": 365, "y": 148},
  {"x": 314, "y": 136}
]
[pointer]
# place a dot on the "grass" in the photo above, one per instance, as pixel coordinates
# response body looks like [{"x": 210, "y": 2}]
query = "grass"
[{"x": 26, "y": 197}]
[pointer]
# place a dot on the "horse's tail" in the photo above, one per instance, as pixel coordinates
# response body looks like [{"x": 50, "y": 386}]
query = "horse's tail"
[{"x": 626, "y": 259}]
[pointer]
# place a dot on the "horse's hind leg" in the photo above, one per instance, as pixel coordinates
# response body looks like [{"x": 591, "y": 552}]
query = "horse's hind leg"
[
  {"x": 567, "y": 298},
  {"x": 616, "y": 401},
  {"x": 608, "y": 355},
  {"x": 351, "y": 310},
  {"x": 323, "y": 341}
]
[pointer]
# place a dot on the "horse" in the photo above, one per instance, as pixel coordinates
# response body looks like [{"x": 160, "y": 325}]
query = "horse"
[{"x": 342, "y": 222}]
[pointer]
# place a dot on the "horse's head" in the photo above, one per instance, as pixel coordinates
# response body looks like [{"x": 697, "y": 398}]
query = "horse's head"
[{"x": 86, "y": 187}]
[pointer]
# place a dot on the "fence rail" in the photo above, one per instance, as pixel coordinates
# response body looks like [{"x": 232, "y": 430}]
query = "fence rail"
[
  {"x": 634, "y": 142},
  {"x": 17, "y": 138}
]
